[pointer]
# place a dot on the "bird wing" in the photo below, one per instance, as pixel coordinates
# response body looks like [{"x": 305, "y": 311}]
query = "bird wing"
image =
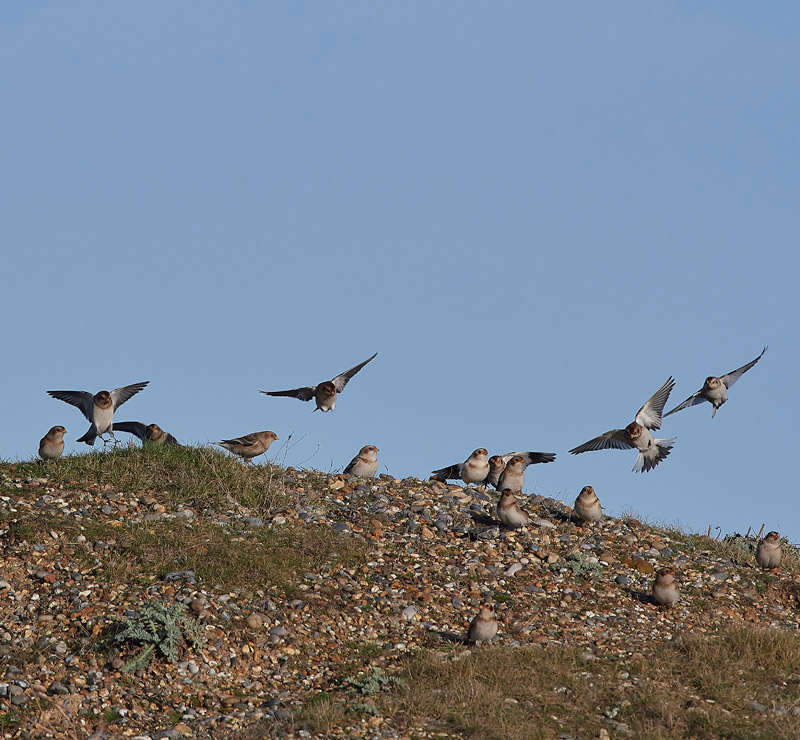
[
  {"x": 340, "y": 381},
  {"x": 649, "y": 416},
  {"x": 248, "y": 440},
  {"x": 616, "y": 439},
  {"x": 351, "y": 464},
  {"x": 133, "y": 427},
  {"x": 531, "y": 458},
  {"x": 451, "y": 472},
  {"x": 120, "y": 395},
  {"x": 82, "y": 399},
  {"x": 304, "y": 394},
  {"x": 693, "y": 400},
  {"x": 730, "y": 378}
]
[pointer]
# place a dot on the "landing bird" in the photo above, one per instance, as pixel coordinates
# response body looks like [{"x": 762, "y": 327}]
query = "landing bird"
[
  {"x": 484, "y": 627},
  {"x": 365, "y": 463},
  {"x": 150, "y": 433},
  {"x": 665, "y": 592},
  {"x": 715, "y": 389},
  {"x": 51, "y": 446},
  {"x": 491, "y": 469},
  {"x": 636, "y": 435},
  {"x": 587, "y": 505},
  {"x": 768, "y": 552},
  {"x": 250, "y": 445},
  {"x": 509, "y": 511},
  {"x": 325, "y": 393},
  {"x": 98, "y": 408}
]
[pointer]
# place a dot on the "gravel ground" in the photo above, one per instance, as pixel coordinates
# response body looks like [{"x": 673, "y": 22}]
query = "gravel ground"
[{"x": 434, "y": 553}]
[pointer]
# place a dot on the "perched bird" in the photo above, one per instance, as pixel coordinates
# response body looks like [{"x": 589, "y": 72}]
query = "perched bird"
[
  {"x": 587, "y": 505},
  {"x": 715, "y": 389},
  {"x": 150, "y": 433},
  {"x": 98, "y": 408},
  {"x": 250, "y": 445},
  {"x": 494, "y": 466},
  {"x": 665, "y": 592},
  {"x": 636, "y": 435},
  {"x": 484, "y": 627},
  {"x": 365, "y": 463},
  {"x": 509, "y": 511},
  {"x": 768, "y": 552},
  {"x": 324, "y": 393},
  {"x": 473, "y": 470},
  {"x": 513, "y": 475},
  {"x": 51, "y": 446}
]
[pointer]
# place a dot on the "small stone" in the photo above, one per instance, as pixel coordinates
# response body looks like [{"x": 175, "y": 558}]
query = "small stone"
[{"x": 255, "y": 621}]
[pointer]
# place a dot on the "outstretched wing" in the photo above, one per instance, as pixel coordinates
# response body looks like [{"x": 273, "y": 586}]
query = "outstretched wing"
[
  {"x": 120, "y": 395},
  {"x": 82, "y": 399},
  {"x": 340, "y": 381},
  {"x": 616, "y": 439},
  {"x": 693, "y": 400},
  {"x": 531, "y": 458},
  {"x": 133, "y": 427},
  {"x": 730, "y": 378},
  {"x": 304, "y": 394},
  {"x": 649, "y": 416},
  {"x": 451, "y": 472}
]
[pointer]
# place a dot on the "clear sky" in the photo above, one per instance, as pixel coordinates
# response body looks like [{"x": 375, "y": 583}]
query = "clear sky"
[{"x": 535, "y": 213}]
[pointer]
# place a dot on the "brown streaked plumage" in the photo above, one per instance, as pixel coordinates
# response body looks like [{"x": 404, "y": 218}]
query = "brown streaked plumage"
[
  {"x": 250, "y": 445},
  {"x": 509, "y": 511},
  {"x": 149, "y": 433}
]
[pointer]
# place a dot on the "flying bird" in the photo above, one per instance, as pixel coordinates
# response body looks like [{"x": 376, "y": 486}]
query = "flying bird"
[
  {"x": 150, "y": 433},
  {"x": 250, "y": 445},
  {"x": 325, "y": 393},
  {"x": 477, "y": 465},
  {"x": 715, "y": 389},
  {"x": 98, "y": 408},
  {"x": 51, "y": 446},
  {"x": 365, "y": 463},
  {"x": 636, "y": 435}
]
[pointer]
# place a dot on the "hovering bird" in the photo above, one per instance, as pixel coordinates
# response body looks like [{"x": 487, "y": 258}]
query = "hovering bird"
[
  {"x": 715, "y": 389},
  {"x": 365, "y": 463},
  {"x": 51, "y": 446},
  {"x": 250, "y": 445},
  {"x": 98, "y": 408},
  {"x": 325, "y": 393},
  {"x": 478, "y": 469},
  {"x": 636, "y": 435},
  {"x": 150, "y": 433}
]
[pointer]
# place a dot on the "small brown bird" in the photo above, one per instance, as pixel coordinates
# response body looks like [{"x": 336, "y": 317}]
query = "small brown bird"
[
  {"x": 150, "y": 433},
  {"x": 484, "y": 627},
  {"x": 513, "y": 476},
  {"x": 715, "y": 389},
  {"x": 587, "y": 505},
  {"x": 665, "y": 592},
  {"x": 497, "y": 464},
  {"x": 473, "y": 470},
  {"x": 250, "y": 445},
  {"x": 365, "y": 463},
  {"x": 51, "y": 446},
  {"x": 768, "y": 552},
  {"x": 509, "y": 511},
  {"x": 98, "y": 408},
  {"x": 324, "y": 393},
  {"x": 637, "y": 435}
]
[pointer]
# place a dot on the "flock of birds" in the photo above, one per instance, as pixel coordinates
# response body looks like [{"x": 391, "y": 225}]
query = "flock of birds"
[{"x": 506, "y": 473}]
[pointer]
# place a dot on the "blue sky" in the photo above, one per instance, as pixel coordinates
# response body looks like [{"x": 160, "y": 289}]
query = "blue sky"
[{"x": 534, "y": 213}]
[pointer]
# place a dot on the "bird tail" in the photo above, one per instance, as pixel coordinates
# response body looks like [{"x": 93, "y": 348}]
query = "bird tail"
[
  {"x": 658, "y": 453},
  {"x": 90, "y": 436}
]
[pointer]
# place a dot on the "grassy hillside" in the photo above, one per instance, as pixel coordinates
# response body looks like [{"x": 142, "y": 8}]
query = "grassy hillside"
[{"x": 175, "y": 592}]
